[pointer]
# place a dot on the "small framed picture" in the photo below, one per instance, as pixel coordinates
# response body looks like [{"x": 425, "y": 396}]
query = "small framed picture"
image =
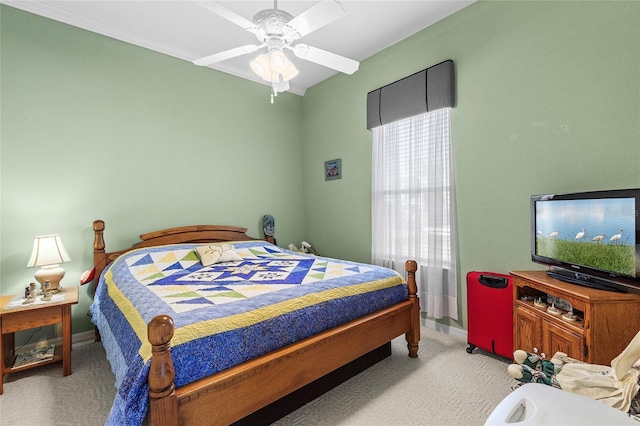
[{"x": 333, "y": 169}]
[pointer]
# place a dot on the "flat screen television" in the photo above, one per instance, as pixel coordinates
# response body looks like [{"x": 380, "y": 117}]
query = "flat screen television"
[{"x": 589, "y": 238}]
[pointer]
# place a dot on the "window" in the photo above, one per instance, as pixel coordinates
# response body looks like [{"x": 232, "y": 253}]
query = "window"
[{"x": 412, "y": 205}]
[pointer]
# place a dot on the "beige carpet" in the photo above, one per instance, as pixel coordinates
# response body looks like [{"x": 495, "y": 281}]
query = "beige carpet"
[{"x": 445, "y": 386}]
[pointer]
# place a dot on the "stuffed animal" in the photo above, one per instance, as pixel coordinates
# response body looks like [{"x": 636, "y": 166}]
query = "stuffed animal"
[
  {"x": 532, "y": 368},
  {"x": 305, "y": 247}
]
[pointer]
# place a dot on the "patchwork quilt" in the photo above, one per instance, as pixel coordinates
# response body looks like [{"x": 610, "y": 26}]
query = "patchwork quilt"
[{"x": 224, "y": 313}]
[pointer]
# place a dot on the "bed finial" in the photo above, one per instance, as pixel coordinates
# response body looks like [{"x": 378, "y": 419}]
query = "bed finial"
[
  {"x": 162, "y": 400},
  {"x": 98, "y": 239},
  {"x": 411, "y": 267}
]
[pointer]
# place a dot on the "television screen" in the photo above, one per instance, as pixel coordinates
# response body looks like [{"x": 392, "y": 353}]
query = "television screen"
[{"x": 591, "y": 235}]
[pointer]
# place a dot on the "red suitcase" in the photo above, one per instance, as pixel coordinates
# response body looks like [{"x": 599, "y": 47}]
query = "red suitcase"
[{"x": 489, "y": 313}]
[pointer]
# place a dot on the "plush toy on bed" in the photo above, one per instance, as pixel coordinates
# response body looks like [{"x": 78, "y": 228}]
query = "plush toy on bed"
[
  {"x": 269, "y": 227},
  {"x": 305, "y": 247},
  {"x": 616, "y": 385}
]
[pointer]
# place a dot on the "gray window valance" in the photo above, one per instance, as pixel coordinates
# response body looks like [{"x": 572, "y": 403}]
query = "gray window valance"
[{"x": 424, "y": 91}]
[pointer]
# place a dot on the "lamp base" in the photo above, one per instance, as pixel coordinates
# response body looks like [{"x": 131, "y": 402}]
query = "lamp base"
[{"x": 53, "y": 274}]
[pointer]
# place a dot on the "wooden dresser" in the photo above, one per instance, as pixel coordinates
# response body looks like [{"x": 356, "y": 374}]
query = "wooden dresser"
[{"x": 605, "y": 324}]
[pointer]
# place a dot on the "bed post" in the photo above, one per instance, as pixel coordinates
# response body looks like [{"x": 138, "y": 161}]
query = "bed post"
[
  {"x": 99, "y": 255},
  {"x": 413, "y": 336},
  {"x": 99, "y": 259},
  {"x": 163, "y": 405}
]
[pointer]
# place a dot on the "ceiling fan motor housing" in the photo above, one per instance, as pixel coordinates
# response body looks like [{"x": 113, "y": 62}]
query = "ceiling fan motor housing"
[{"x": 271, "y": 23}]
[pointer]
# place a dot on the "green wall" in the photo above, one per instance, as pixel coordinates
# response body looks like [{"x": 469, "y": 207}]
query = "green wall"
[
  {"x": 93, "y": 128},
  {"x": 548, "y": 100}
]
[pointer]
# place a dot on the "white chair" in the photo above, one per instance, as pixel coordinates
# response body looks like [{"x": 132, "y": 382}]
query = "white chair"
[{"x": 538, "y": 404}]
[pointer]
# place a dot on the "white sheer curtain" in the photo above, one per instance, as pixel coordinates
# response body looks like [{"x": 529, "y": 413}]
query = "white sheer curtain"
[{"x": 412, "y": 206}]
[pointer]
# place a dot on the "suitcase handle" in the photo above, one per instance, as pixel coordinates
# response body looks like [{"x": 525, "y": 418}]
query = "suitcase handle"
[{"x": 493, "y": 282}]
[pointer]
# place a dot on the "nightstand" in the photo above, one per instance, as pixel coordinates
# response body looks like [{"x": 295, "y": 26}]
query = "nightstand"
[{"x": 18, "y": 317}]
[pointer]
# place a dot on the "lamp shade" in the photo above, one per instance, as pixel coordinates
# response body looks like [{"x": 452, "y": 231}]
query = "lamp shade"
[
  {"x": 48, "y": 250},
  {"x": 278, "y": 61},
  {"x": 261, "y": 67},
  {"x": 289, "y": 71},
  {"x": 274, "y": 68}
]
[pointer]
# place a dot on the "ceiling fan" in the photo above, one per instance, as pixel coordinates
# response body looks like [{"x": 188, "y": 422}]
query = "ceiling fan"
[{"x": 277, "y": 30}]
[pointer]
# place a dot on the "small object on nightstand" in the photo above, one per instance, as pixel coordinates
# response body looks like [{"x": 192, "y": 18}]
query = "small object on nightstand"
[
  {"x": 46, "y": 294},
  {"x": 30, "y": 294}
]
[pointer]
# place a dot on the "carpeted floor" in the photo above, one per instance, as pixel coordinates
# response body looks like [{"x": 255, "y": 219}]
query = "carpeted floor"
[{"x": 444, "y": 386}]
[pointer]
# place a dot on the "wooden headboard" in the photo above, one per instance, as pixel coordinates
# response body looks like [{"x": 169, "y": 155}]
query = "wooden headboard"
[{"x": 182, "y": 234}]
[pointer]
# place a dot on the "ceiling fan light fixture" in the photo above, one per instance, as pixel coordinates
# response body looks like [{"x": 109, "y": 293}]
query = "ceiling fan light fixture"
[
  {"x": 262, "y": 67},
  {"x": 289, "y": 72},
  {"x": 274, "y": 67},
  {"x": 278, "y": 61}
]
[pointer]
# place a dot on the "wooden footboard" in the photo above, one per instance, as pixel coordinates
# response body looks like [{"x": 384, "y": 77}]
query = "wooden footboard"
[{"x": 232, "y": 394}]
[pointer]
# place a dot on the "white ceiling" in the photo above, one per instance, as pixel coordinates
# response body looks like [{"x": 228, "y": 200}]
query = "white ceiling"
[{"x": 186, "y": 30}]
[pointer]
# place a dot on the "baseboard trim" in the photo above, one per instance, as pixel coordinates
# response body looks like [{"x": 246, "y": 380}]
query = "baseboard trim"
[
  {"x": 77, "y": 339},
  {"x": 83, "y": 338},
  {"x": 456, "y": 332}
]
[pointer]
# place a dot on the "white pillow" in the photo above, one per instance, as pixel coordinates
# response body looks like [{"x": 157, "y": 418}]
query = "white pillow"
[{"x": 217, "y": 253}]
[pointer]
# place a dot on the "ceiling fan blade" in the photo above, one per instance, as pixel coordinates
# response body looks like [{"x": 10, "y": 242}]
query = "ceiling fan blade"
[
  {"x": 229, "y": 15},
  {"x": 320, "y": 14},
  {"x": 227, "y": 54},
  {"x": 328, "y": 59}
]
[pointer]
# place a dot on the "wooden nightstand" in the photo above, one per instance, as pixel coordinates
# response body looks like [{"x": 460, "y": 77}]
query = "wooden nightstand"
[{"x": 24, "y": 317}]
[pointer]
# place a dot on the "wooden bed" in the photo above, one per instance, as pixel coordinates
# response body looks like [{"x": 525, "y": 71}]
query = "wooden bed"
[{"x": 233, "y": 394}]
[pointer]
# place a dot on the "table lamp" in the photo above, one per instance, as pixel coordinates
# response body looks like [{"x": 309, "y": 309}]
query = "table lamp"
[{"x": 48, "y": 252}]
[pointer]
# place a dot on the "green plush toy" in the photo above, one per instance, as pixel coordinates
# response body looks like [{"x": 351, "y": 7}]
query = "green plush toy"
[{"x": 532, "y": 368}]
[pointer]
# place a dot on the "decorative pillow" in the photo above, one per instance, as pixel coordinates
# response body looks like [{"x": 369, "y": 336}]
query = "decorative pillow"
[{"x": 217, "y": 253}]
